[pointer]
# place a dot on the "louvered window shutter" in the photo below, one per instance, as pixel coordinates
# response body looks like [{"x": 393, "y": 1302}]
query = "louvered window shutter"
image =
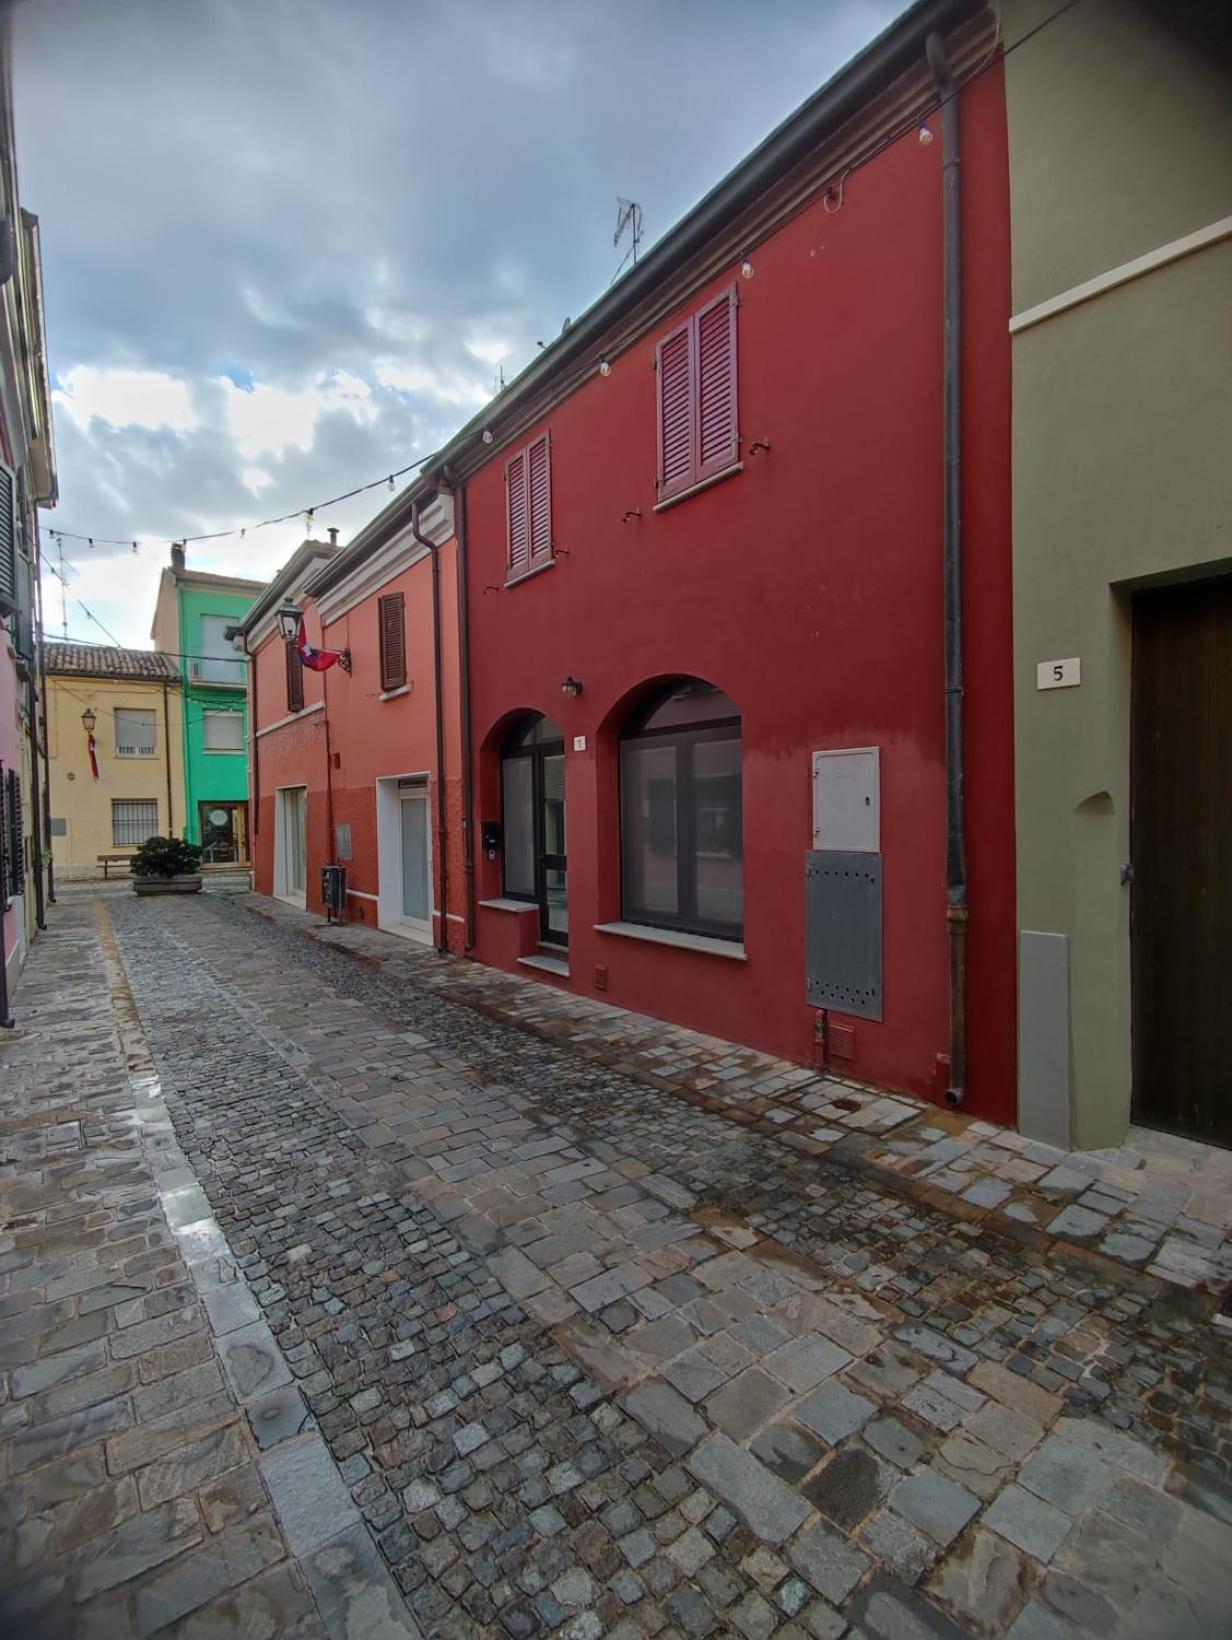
[
  {"x": 717, "y": 441},
  {"x": 295, "y": 679},
  {"x": 519, "y": 524},
  {"x": 16, "y": 840},
  {"x": 674, "y": 362},
  {"x": 539, "y": 490},
  {"x": 10, "y": 598},
  {"x": 392, "y": 610}
]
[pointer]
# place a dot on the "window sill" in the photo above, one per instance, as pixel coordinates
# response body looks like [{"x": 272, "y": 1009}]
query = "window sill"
[
  {"x": 696, "y": 489},
  {"x": 509, "y": 905},
  {"x": 136, "y": 757},
  {"x": 393, "y": 694},
  {"x": 222, "y": 751},
  {"x": 733, "y": 950},
  {"x": 529, "y": 574}
]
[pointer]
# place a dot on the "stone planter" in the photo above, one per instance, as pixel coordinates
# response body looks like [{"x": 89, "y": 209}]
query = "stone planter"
[{"x": 186, "y": 883}]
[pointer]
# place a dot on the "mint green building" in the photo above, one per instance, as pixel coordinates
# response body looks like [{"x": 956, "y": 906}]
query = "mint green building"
[{"x": 191, "y": 619}]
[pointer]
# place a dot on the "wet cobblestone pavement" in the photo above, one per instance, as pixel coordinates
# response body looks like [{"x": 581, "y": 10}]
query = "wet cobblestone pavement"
[{"x": 580, "y": 1357}]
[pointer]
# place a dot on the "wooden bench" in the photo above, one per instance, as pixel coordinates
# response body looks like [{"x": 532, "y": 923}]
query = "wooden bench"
[{"x": 109, "y": 860}]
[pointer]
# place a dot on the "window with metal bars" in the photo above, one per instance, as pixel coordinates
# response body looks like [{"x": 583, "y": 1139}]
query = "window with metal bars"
[
  {"x": 391, "y": 621},
  {"x": 133, "y": 820},
  {"x": 295, "y": 678},
  {"x": 528, "y": 507},
  {"x": 698, "y": 426}
]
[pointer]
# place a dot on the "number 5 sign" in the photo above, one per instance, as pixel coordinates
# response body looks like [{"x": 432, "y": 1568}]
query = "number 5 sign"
[{"x": 1058, "y": 674}]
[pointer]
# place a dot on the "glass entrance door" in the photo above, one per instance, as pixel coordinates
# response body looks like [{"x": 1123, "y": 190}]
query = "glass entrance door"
[
  {"x": 554, "y": 901},
  {"x": 416, "y": 878},
  {"x": 533, "y": 793},
  {"x": 224, "y": 839}
]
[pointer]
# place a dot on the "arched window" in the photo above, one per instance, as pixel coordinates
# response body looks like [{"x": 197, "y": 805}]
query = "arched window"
[
  {"x": 533, "y": 801},
  {"x": 682, "y": 849}
]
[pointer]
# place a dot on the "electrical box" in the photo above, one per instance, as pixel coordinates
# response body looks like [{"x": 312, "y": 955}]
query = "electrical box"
[
  {"x": 847, "y": 800},
  {"x": 491, "y": 834},
  {"x": 333, "y": 889},
  {"x": 843, "y": 932}
]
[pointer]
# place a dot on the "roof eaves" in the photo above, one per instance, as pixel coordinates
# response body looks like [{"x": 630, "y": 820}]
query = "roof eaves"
[{"x": 898, "y": 47}]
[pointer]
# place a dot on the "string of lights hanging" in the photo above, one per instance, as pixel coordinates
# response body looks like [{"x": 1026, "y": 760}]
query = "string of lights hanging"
[{"x": 306, "y": 513}]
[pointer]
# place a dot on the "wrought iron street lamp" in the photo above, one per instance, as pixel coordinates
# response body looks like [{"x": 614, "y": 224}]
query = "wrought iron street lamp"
[{"x": 88, "y": 720}]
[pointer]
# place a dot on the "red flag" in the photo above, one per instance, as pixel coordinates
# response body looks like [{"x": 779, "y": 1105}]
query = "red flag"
[
  {"x": 316, "y": 660},
  {"x": 93, "y": 758}
]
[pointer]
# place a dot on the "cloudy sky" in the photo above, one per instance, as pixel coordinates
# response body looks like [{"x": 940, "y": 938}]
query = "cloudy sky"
[{"x": 289, "y": 244}]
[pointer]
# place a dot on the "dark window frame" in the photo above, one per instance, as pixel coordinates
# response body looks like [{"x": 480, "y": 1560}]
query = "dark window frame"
[
  {"x": 682, "y": 739},
  {"x": 707, "y": 373},
  {"x": 535, "y": 752},
  {"x": 295, "y": 678},
  {"x": 391, "y": 634},
  {"x": 524, "y": 522}
]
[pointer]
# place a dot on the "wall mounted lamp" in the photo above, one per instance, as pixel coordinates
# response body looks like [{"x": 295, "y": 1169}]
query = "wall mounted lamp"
[
  {"x": 88, "y": 720},
  {"x": 571, "y": 687},
  {"x": 289, "y": 617}
]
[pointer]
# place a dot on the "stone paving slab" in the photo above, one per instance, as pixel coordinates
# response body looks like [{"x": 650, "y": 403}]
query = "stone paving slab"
[
  {"x": 134, "y": 1501},
  {"x": 1156, "y": 1203},
  {"x": 523, "y": 1463}
]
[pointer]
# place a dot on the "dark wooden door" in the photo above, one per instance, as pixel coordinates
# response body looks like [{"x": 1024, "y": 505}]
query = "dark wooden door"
[{"x": 1181, "y": 820}]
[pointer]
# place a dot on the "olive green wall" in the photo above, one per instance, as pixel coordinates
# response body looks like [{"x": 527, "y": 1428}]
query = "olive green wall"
[{"x": 1120, "y": 127}]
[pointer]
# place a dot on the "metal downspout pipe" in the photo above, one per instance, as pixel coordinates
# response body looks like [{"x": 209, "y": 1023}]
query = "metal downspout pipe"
[
  {"x": 457, "y": 488},
  {"x": 442, "y": 818},
  {"x": 951, "y": 415}
]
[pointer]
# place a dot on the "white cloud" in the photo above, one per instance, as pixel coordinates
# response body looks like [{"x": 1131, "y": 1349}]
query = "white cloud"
[
  {"x": 265, "y": 420},
  {"x": 126, "y": 398},
  {"x": 447, "y": 386}
]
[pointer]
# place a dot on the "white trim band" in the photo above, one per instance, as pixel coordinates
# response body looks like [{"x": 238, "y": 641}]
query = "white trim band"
[
  {"x": 1158, "y": 258},
  {"x": 732, "y": 949},
  {"x": 291, "y": 717}
]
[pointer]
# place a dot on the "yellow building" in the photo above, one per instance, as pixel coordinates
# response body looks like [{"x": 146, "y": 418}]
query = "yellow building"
[{"x": 130, "y": 701}]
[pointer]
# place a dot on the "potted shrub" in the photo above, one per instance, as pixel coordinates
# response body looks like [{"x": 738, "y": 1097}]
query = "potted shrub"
[{"x": 166, "y": 865}]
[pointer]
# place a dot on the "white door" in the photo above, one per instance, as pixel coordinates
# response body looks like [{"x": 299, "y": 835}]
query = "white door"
[
  {"x": 416, "y": 905},
  {"x": 294, "y": 841}
]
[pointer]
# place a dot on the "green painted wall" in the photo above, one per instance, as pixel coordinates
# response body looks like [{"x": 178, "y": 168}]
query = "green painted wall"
[
  {"x": 1120, "y": 132},
  {"x": 210, "y": 776}
]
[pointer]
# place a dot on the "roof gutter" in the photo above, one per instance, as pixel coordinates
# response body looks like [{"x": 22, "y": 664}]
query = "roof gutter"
[
  {"x": 952, "y": 558},
  {"x": 442, "y": 821}
]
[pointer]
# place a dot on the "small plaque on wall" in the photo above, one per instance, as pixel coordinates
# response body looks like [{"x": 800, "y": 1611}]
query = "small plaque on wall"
[
  {"x": 1058, "y": 674},
  {"x": 342, "y": 842}
]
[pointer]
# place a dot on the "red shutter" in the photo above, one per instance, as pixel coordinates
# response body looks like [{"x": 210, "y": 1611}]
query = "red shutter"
[
  {"x": 539, "y": 487},
  {"x": 392, "y": 621},
  {"x": 674, "y": 361},
  {"x": 717, "y": 436},
  {"x": 519, "y": 528}
]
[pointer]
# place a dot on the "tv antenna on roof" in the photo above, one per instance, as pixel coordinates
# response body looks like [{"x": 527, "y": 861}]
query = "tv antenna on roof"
[{"x": 628, "y": 221}]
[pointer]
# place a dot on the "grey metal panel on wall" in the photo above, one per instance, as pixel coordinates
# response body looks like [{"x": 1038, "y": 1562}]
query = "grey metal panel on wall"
[
  {"x": 1043, "y": 1037},
  {"x": 843, "y": 932}
]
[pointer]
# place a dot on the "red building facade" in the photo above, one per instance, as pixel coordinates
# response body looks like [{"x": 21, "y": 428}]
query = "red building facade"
[
  {"x": 354, "y": 766},
  {"x": 699, "y": 551}
]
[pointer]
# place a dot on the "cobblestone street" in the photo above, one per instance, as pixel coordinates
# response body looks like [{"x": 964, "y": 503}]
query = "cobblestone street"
[{"x": 334, "y": 1305}]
